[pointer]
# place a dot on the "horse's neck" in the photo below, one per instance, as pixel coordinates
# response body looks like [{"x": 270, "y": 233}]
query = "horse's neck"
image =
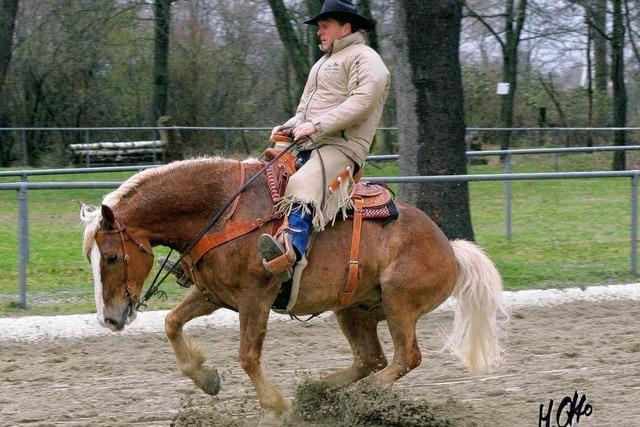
[
  {"x": 172, "y": 212},
  {"x": 171, "y": 208}
]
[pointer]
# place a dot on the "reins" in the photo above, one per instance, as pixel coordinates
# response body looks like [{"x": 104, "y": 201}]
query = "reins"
[{"x": 154, "y": 289}]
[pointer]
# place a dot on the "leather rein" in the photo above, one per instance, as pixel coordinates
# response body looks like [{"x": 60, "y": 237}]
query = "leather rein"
[{"x": 154, "y": 289}]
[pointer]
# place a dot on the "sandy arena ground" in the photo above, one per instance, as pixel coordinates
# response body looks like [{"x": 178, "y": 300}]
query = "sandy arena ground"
[{"x": 132, "y": 379}]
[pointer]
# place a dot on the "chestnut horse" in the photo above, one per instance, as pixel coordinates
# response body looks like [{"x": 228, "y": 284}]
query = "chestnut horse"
[{"x": 408, "y": 268}]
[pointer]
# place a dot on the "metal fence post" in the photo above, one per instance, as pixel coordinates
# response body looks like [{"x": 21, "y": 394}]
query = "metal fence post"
[
  {"x": 25, "y": 178},
  {"x": 23, "y": 242},
  {"x": 507, "y": 197},
  {"x": 86, "y": 141},
  {"x": 634, "y": 223}
]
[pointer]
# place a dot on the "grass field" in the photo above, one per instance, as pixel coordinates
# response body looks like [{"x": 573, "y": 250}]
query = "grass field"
[{"x": 565, "y": 233}]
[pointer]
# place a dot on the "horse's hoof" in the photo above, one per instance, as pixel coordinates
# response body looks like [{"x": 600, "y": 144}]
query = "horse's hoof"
[{"x": 211, "y": 382}]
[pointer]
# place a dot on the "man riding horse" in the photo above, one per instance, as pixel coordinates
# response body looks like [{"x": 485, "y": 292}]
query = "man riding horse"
[
  {"x": 333, "y": 128},
  {"x": 401, "y": 270},
  {"x": 335, "y": 123}
]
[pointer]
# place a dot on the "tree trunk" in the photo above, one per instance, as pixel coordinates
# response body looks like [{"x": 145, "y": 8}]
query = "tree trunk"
[
  {"x": 599, "y": 21},
  {"x": 364, "y": 9},
  {"x": 162, "y": 17},
  {"x": 8, "y": 14},
  {"x": 509, "y": 75},
  {"x": 313, "y": 9},
  {"x": 590, "y": 32},
  {"x": 510, "y": 65},
  {"x": 619, "y": 88},
  {"x": 292, "y": 44},
  {"x": 287, "y": 100},
  {"x": 600, "y": 61},
  {"x": 430, "y": 109}
]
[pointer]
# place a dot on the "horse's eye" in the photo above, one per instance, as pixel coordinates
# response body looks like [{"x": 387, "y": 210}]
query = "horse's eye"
[{"x": 111, "y": 259}]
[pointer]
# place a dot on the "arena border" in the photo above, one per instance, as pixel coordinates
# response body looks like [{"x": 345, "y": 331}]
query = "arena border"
[{"x": 36, "y": 328}]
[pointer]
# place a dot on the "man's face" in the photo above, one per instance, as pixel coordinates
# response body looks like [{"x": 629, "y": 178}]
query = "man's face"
[{"x": 329, "y": 30}]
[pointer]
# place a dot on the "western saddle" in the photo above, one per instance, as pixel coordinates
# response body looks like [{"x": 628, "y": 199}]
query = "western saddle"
[{"x": 371, "y": 201}]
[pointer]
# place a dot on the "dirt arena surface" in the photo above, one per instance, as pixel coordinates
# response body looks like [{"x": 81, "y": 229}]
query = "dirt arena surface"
[{"x": 552, "y": 351}]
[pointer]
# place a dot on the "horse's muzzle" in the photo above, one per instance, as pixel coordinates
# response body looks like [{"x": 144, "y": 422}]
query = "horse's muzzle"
[
  {"x": 117, "y": 322},
  {"x": 114, "y": 325}
]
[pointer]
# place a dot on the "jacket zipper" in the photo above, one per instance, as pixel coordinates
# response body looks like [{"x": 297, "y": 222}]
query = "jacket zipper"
[{"x": 304, "y": 118}]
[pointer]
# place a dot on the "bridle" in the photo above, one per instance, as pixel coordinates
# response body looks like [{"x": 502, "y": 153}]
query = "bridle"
[
  {"x": 121, "y": 230},
  {"x": 139, "y": 304}
]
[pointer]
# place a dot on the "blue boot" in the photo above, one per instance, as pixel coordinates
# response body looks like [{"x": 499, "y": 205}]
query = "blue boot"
[
  {"x": 281, "y": 255},
  {"x": 300, "y": 225}
]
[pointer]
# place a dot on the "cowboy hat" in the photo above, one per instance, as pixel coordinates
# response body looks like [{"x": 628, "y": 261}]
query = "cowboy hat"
[{"x": 344, "y": 10}]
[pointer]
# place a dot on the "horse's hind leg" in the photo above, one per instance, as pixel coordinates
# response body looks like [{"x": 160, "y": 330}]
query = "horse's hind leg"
[
  {"x": 360, "y": 328},
  {"x": 189, "y": 356}
]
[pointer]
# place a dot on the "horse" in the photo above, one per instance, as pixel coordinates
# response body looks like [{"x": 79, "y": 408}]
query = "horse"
[{"x": 407, "y": 268}]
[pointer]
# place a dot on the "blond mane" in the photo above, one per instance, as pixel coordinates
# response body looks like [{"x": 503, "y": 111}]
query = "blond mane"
[{"x": 92, "y": 215}]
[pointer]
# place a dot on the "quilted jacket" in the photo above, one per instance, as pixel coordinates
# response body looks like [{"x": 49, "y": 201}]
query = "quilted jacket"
[{"x": 344, "y": 97}]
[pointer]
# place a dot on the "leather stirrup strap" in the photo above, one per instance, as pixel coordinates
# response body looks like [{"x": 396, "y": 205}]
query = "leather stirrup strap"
[{"x": 354, "y": 263}]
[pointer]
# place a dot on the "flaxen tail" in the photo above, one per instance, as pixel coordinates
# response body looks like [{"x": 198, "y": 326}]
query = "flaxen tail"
[{"x": 480, "y": 315}]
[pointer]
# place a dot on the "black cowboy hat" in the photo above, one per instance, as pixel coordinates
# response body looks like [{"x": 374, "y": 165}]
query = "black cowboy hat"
[{"x": 344, "y": 10}]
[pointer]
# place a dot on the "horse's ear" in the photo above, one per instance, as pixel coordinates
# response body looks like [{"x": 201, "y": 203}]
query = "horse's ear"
[{"x": 107, "y": 217}]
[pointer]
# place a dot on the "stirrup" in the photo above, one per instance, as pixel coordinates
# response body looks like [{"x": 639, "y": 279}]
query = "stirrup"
[
  {"x": 278, "y": 260},
  {"x": 182, "y": 277}
]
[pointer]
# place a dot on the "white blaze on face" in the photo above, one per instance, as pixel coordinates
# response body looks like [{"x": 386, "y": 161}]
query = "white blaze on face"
[{"x": 97, "y": 281}]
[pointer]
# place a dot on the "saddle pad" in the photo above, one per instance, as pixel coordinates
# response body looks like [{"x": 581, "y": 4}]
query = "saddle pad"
[
  {"x": 377, "y": 201},
  {"x": 388, "y": 212}
]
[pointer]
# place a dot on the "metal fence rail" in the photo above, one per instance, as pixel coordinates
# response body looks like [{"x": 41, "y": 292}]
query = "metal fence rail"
[
  {"x": 507, "y": 165},
  {"x": 22, "y": 136},
  {"x": 523, "y": 151},
  {"x": 23, "y": 187}
]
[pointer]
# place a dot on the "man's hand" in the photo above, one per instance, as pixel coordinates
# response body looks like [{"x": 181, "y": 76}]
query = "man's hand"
[
  {"x": 303, "y": 130},
  {"x": 280, "y": 130}
]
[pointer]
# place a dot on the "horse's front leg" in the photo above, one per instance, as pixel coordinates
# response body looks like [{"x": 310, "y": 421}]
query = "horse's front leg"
[
  {"x": 189, "y": 356},
  {"x": 254, "y": 311}
]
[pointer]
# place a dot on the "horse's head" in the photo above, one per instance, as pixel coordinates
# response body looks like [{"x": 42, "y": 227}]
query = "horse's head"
[{"x": 120, "y": 260}]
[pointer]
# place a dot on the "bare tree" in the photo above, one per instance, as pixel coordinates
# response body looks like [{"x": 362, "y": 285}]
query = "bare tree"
[
  {"x": 597, "y": 69},
  {"x": 313, "y": 41},
  {"x": 8, "y": 15},
  {"x": 364, "y": 8},
  {"x": 598, "y": 20},
  {"x": 619, "y": 87},
  {"x": 295, "y": 49},
  {"x": 162, "y": 20},
  {"x": 430, "y": 109},
  {"x": 513, "y": 19}
]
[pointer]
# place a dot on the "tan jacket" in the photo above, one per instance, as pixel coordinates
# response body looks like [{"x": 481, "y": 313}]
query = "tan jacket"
[{"x": 344, "y": 97}]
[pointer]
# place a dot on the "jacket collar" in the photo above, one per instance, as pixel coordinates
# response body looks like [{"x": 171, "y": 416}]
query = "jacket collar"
[{"x": 351, "y": 39}]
